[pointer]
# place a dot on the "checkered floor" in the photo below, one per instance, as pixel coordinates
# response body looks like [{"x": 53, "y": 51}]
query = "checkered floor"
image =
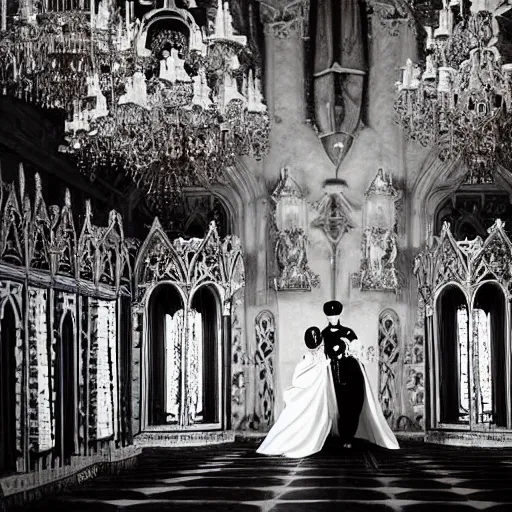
[{"x": 225, "y": 478}]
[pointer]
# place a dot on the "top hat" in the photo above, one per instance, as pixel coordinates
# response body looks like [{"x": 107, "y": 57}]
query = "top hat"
[
  {"x": 333, "y": 307},
  {"x": 312, "y": 337}
]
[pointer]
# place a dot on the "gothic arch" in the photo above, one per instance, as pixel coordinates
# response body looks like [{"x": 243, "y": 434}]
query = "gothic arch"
[
  {"x": 435, "y": 182},
  {"x": 10, "y": 304},
  {"x": 8, "y": 429},
  {"x": 190, "y": 266}
]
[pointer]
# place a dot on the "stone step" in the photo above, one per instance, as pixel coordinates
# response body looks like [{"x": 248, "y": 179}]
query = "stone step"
[{"x": 176, "y": 439}]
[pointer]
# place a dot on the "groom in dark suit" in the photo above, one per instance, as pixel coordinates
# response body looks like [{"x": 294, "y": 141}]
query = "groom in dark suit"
[{"x": 347, "y": 375}]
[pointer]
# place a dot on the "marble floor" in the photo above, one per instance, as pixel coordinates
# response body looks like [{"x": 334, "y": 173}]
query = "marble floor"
[{"x": 232, "y": 477}]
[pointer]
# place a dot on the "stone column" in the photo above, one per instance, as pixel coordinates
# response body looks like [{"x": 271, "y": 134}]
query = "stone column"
[
  {"x": 284, "y": 73},
  {"x": 293, "y": 142}
]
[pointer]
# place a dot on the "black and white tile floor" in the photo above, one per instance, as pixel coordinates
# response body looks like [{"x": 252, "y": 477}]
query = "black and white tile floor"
[{"x": 232, "y": 477}]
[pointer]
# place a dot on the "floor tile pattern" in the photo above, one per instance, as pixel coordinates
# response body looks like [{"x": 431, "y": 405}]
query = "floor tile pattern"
[{"x": 417, "y": 478}]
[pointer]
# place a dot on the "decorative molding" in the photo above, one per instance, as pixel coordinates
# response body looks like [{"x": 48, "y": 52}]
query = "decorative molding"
[
  {"x": 389, "y": 354},
  {"x": 391, "y": 14},
  {"x": 334, "y": 218},
  {"x": 264, "y": 358},
  {"x": 380, "y": 237},
  {"x": 287, "y": 21},
  {"x": 239, "y": 368},
  {"x": 41, "y": 242},
  {"x": 290, "y": 218},
  {"x": 466, "y": 263},
  {"x": 190, "y": 263}
]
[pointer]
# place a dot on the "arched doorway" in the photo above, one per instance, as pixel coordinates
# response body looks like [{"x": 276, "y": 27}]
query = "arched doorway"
[
  {"x": 166, "y": 329},
  {"x": 204, "y": 358},
  {"x": 489, "y": 347},
  {"x": 185, "y": 336},
  {"x": 65, "y": 381},
  {"x": 453, "y": 357},
  {"x": 185, "y": 353},
  {"x": 8, "y": 389}
]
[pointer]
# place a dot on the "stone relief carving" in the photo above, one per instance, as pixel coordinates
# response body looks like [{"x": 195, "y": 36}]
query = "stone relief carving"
[
  {"x": 334, "y": 218},
  {"x": 265, "y": 331},
  {"x": 239, "y": 366},
  {"x": 380, "y": 248},
  {"x": 44, "y": 238},
  {"x": 389, "y": 353},
  {"x": 414, "y": 369},
  {"x": 42, "y": 428},
  {"x": 391, "y": 14},
  {"x": 39, "y": 243},
  {"x": 285, "y": 21},
  {"x": 291, "y": 238},
  {"x": 291, "y": 254},
  {"x": 188, "y": 264},
  {"x": 466, "y": 263}
]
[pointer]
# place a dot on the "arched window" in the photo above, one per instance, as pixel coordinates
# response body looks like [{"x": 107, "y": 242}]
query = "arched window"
[
  {"x": 7, "y": 388},
  {"x": 453, "y": 356},
  {"x": 65, "y": 382},
  {"x": 185, "y": 358},
  {"x": 165, "y": 344},
  {"x": 489, "y": 343}
]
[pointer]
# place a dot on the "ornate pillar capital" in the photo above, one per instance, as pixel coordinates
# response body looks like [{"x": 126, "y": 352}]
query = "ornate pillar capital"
[
  {"x": 391, "y": 16},
  {"x": 284, "y": 21}
]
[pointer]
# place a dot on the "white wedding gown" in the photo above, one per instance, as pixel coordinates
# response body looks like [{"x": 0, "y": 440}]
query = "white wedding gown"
[{"x": 310, "y": 413}]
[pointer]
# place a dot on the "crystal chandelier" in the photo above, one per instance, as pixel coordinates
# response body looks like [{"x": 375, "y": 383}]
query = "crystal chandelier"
[
  {"x": 460, "y": 99},
  {"x": 158, "y": 97}
]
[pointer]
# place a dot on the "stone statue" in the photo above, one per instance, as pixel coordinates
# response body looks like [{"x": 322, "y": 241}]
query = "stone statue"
[
  {"x": 201, "y": 90},
  {"x": 167, "y": 67},
  {"x": 179, "y": 66}
]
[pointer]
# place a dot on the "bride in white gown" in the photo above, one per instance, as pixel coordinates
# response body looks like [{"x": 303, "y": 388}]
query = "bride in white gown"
[{"x": 310, "y": 413}]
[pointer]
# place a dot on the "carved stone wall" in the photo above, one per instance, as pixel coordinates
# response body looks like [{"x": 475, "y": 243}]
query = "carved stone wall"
[
  {"x": 467, "y": 264},
  {"x": 188, "y": 265},
  {"x": 239, "y": 363},
  {"x": 414, "y": 376},
  {"x": 291, "y": 240},
  {"x": 40, "y": 414},
  {"x": 12, "y": 293},
  {"x": 103, "y": 377},
  {"x": 264, "y": 362},
  {"x": 46, "y": 273},
  {"x": 380, "y": 237},
  {"x": 389, "y": 354}
]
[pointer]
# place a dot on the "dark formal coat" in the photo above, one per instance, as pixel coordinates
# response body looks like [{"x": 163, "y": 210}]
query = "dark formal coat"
[{"x": 348, "y": 379}]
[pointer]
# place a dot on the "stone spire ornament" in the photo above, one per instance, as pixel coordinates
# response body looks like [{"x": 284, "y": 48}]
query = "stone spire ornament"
[
  {"x": 224, "y": 25},
  {"x": 335, "y": 220}
]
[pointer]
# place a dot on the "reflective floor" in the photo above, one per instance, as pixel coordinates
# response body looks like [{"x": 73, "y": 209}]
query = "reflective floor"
[{"x": 224, "y": 478}]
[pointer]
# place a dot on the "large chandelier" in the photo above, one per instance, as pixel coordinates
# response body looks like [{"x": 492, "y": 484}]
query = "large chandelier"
[
  {"x": 160, "y": 98},
  {"x": 460, "y": 99}
]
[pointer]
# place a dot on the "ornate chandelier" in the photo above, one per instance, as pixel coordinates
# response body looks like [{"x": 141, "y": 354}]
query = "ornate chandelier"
[
  {"x": 460, "y": 99},
  {"x": 160, "y": 98}
]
